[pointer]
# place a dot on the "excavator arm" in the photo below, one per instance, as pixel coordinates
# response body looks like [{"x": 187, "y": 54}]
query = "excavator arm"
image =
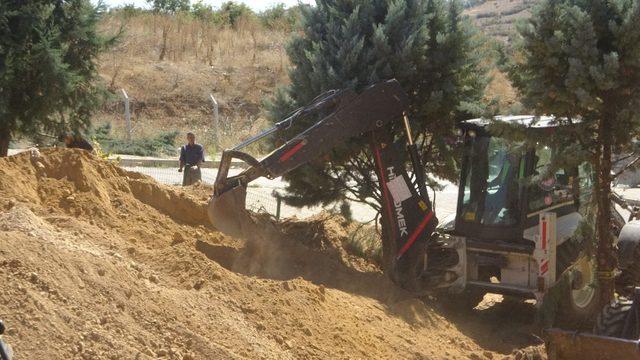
[{"x": 408, "y": 221}]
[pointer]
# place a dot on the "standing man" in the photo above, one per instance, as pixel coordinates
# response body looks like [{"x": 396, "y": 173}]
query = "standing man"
[{"x": 191, "y": 156}]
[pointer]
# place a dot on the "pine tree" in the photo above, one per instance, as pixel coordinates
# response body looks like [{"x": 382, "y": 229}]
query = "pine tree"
[
  {"x": 427, "y": 46},
  {"x": 169, "y": 6},
  {"x": 580, "y": 59},
  {"x": 48, "y": 76}
]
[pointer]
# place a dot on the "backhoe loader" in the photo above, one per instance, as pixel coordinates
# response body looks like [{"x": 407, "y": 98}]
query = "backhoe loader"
[{"x": 517, "y": 229}]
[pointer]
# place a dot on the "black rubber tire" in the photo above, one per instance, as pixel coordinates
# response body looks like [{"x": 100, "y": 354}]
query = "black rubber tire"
[
  {"x": 567, "y": 253},
  {"x": 611, "y": 320},
  {"x": 570, "y": 314},
  {"x": 629, "y": 276}
]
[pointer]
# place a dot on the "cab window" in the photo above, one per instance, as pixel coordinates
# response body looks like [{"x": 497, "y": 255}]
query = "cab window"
[{"x": 557, "y": 189}]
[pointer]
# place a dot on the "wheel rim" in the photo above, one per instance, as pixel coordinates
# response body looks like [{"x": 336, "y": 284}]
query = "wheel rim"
[{"x": 583, "y": 296}]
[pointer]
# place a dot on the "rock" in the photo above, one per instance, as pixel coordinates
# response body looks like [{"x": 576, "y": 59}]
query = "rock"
[
  {"x": 33, "y": 277},
  {"x": 101, "y": 272},
  {"x": 199, "y": 284},
  {"x": 162, "y": 353},
  {"x": 94, "y": 336},
  {"x": 70, "y": 198},
  {"x": 135, "y": 266},
  {"x": 307, "y": 332},
  {"x": 260, "y": 327},
  {"x": 154, "y": 278},
  {"x": 475, "y": 356},
  {"x": 177, "y": 238},
  {"x": 12, "y": 202},
  {"x": 287, "y": 286},
  {"x": 248, "y": 309}
]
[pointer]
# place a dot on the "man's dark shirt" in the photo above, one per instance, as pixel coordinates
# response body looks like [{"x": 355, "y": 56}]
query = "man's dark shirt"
[
  {"x": 192, "y": 154},
  {"x": 80, "y": 143}
]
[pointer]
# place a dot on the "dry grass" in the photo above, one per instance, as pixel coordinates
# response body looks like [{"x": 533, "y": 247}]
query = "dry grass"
[{"x": 239, "y": 66}]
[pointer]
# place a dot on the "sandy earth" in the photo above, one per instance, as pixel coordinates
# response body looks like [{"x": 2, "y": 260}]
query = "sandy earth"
[{"x": 100, "y": 263}]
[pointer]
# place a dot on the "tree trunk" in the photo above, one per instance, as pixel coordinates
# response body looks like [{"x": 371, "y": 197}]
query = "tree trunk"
[
  {"x": 5, "y": 139},
  {"x": 165, "y": 34},
  {"x": 605, "y": 256}
]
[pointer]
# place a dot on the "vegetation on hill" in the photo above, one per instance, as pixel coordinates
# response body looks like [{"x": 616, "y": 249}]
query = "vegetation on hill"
[
  {"x": 497, "y": 18},
  {"x": 164, "y": 143},
  {"x": 232, "y": 53}
]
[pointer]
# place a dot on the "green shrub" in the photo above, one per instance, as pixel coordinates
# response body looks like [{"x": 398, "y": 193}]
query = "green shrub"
[
  {"x": 161, "y": 144},
  {"x": 281, "y": 18}
]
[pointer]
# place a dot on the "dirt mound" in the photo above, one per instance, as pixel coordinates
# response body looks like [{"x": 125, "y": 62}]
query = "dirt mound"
[
  {"x": 97, "y": 262},
  {"x": 74, "y": 182}
]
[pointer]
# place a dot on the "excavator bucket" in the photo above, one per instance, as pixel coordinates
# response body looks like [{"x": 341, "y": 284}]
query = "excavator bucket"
[
  {"x": 565, "y": 345},
  {"x": 228, "y": 214}
]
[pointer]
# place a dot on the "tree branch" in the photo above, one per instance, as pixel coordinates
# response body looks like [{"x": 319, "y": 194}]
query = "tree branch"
[{"x": 627, "y": 167}]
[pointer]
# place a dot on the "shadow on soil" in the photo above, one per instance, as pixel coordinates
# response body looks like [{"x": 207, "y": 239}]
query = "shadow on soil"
[
  {"x": 499, "y": 326},
  {"x": 286, "y": 260}
]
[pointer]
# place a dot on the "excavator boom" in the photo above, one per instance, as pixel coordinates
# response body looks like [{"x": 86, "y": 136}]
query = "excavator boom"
[{"x": 407, "y": 219}]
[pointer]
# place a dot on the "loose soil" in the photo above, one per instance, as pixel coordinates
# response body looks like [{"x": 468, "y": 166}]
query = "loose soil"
[{"x": 100, "y": 263}]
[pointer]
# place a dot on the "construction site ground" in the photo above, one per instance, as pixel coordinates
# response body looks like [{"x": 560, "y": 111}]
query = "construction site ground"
[{"x": 100, "y": 263}]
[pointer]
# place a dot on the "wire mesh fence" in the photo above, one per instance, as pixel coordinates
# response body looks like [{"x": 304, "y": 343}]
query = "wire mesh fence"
[
  {"x": 258, "y": 199},
  {"x": 260, "y": 202}
]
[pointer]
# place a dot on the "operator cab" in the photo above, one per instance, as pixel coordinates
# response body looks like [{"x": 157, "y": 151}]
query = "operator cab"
[
  {"x": 503, "y": 188},
  {"x": 520, "y": 205}
]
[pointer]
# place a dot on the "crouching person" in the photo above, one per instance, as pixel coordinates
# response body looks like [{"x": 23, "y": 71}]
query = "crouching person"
[{"x": 191, "y": 157}]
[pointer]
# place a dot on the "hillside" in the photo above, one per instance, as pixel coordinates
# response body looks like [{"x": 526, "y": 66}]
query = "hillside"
[
  {"x": 497, "y": 18},
  {"x": 239, "y": 66}
]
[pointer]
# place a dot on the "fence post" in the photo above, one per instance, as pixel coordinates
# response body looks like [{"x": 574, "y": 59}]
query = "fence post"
[
  {"x": 216, "y": 139},
  {"x": 127, "y": 113},
  {"x": 278, "y": 205}
]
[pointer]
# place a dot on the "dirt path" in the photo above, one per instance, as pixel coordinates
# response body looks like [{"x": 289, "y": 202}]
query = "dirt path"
[{"x": 100, "y": 263}]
